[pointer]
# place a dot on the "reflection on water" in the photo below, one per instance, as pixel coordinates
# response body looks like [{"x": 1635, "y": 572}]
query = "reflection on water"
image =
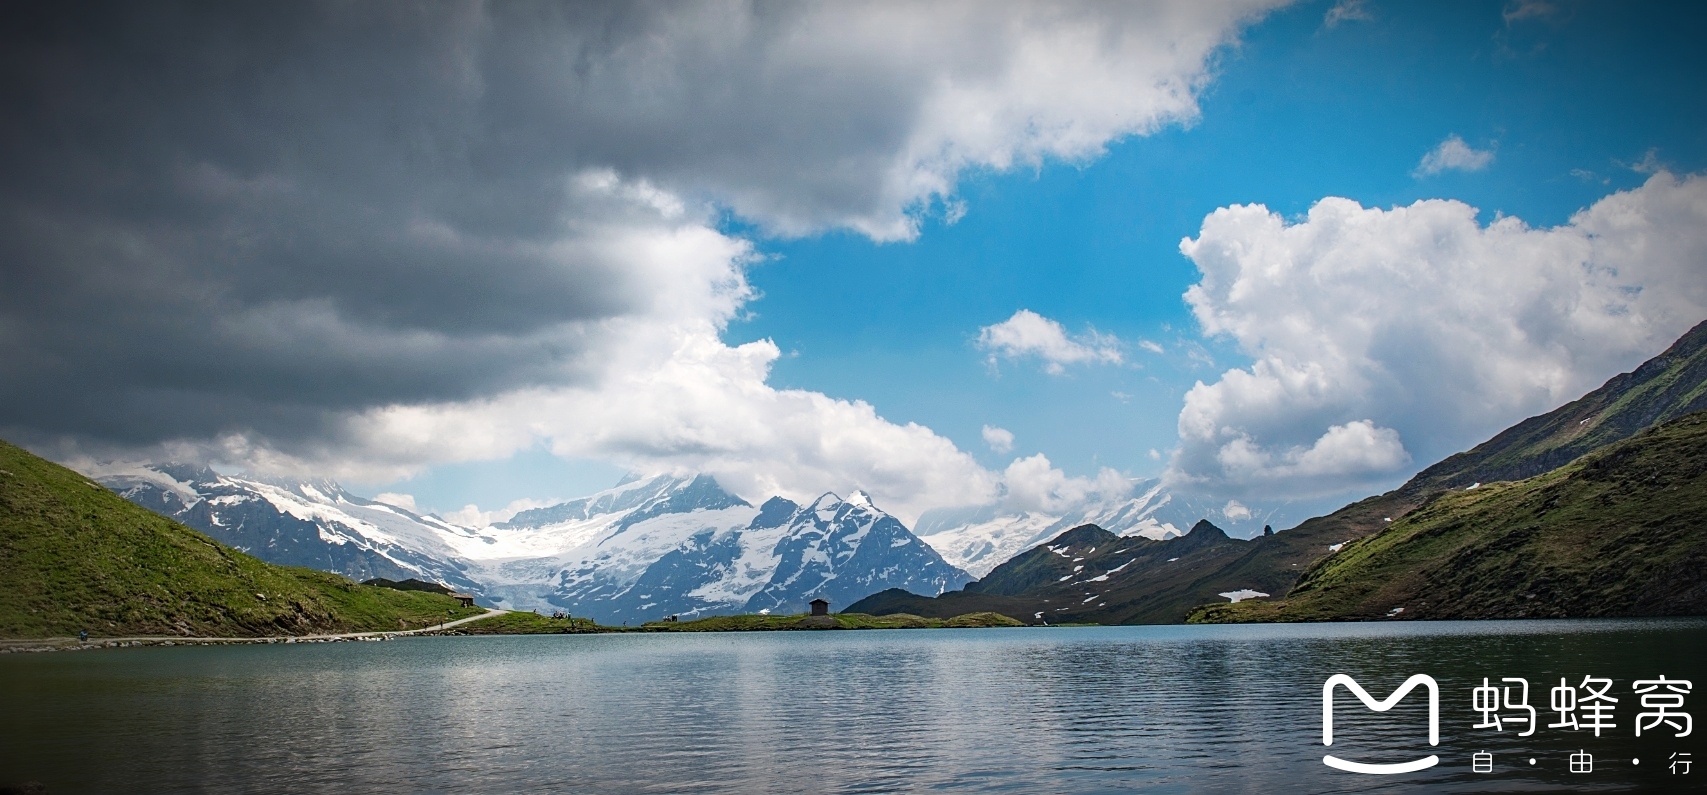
[{"x": 1161, "y": 709}]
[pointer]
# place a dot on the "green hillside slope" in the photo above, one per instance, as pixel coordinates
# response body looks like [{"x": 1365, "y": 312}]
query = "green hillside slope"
[
  {"x": 1619, "y": 532},
  {"x": 75, "y": 556},
  {"x": 1664, "y": 388}
]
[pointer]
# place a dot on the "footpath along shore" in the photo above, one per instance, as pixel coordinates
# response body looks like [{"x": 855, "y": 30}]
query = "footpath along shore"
[{"x": 73, "y": 644}]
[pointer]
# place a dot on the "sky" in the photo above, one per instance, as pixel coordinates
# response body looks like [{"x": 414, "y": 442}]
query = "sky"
[{"x": 481, "y": 257}]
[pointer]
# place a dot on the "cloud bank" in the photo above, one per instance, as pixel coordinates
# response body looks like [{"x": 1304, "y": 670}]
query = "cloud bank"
[
  {"x": 361, "y": 239},
  {"x": 1385, "y": 338}
]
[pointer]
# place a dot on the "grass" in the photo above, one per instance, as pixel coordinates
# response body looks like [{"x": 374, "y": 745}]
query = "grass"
[
  {"x": 74, "y": 556},
  {"x": 1615, "y": 533}
]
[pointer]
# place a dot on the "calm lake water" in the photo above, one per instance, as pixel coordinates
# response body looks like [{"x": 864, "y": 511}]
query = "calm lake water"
[{"x": 1069, "y": 710}]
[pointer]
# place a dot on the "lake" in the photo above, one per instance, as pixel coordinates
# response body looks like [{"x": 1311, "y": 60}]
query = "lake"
[{"x": 1035, "y": 710}]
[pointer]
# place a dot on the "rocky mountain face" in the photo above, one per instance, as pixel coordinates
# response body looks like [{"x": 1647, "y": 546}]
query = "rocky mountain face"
[
  {"x": 1618, "y": 532},
  {"x": 645, "y": 549},
  {"x": 313, "y": 524}
]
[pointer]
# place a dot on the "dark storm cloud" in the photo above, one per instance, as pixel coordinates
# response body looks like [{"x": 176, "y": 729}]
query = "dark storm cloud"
[
  {"x": 217, "y": 217},
  {"x": 223, "y": 217},
  {"x": 262, "y": 218},
  {"x": 228, "y": 216}
]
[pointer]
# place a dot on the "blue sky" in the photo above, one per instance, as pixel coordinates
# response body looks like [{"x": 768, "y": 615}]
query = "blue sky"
[
  {"x": 1279, "y": 255},
  {"x": 1568, "y": 103}
]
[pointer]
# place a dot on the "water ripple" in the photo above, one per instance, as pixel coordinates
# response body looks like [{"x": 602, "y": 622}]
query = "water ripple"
[{"x": 1160, "y": 709}]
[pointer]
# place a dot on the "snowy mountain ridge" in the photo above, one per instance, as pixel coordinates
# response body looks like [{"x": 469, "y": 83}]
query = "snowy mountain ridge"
[
  {"x": 648, "y": 547},
  {"x": 979, "y": 538},
  {"x": 310, "y": 523},
  {"x": 683, "y": 546}
]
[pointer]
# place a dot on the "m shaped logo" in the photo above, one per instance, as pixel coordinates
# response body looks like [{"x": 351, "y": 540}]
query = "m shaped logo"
[{"x": 1380, "y": 706}]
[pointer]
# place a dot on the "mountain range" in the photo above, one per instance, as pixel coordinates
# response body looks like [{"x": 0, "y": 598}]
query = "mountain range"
[
  {"x": 665, "y": 545},
  {"x": 647, "y": 548},
  {"x": 683, "y": 545}
]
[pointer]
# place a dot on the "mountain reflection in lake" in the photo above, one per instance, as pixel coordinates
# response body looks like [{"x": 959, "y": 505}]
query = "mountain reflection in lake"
[{"x": 1157, "y": 709}]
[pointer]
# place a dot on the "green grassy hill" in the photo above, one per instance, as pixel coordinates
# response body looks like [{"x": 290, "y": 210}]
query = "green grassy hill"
[
  {"x": 75, "y": 556},
  {"x": 1619, "y": 532}
]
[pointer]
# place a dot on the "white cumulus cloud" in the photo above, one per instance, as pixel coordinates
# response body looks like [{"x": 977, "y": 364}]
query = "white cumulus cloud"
[
  {"x": 1034, "y": 484},
  {"x": 1385, "y": 339},
  {"x": 1000, "y": 440},
  {"x": 1028, "y": 334},
  {"x": 1454, "y": 155}
]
